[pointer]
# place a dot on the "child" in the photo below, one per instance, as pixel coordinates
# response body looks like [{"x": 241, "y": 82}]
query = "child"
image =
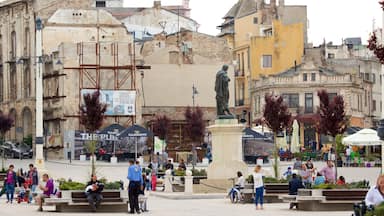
[{"x": 142, "y": 198}]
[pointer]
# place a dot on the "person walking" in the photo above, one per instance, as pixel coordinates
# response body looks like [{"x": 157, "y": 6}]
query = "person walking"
[
  {"x": 259, "y": 187},
  {"x": 348, "y": 154},
  {"x": 135, "y": 183},
  {"x": 10, "y": 183},
  {"x": 33, "y": 177},
  {"x": 93, "y": 192}
]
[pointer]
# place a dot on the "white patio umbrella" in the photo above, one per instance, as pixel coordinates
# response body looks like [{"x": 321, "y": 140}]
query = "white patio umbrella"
[
  {"x": 365, "y": 137},
  {"x": 295, "y": 142}
]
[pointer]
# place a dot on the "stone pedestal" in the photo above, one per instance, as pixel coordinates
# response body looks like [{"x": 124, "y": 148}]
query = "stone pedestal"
[
  {"x": 188, "y": 184},
  {"x": 168, "y": 182},
  {"x": 113, "y": 160},
  {"x": 227, "y": 150}
]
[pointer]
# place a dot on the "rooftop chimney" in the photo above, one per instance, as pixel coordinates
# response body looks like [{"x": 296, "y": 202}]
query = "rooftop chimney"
[{"x": 157, "y": 4}]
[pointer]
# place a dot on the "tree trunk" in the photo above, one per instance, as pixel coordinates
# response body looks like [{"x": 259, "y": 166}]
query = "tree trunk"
[
  {"x": 336, "y": 156},
  {"x": 276, "y": 158}
]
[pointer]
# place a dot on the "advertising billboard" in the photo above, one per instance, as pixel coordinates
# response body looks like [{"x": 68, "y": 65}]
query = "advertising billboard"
[{"x": 119, "y": 102}]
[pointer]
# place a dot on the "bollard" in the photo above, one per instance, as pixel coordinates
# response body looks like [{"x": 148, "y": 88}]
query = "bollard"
[{"x": 188, "y": 184}]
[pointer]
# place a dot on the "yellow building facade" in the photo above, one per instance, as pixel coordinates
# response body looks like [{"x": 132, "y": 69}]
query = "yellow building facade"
[{"x": 279, "y": 48}]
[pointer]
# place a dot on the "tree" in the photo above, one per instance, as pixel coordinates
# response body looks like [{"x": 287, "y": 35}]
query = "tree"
[
  {"x": 6, "y": 123},
  {"x": 277, "y": 117},
  {"x": 376, "y": 46},
  {"x": 195, "y": 128},
  {"x": 333, "y": 119},
  {"x": 161, "y": 127},
  {"x": 92, "y": 114}
]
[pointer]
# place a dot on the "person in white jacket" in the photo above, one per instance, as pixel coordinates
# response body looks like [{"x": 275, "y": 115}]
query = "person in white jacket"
[
  {"x": 258, "y": 185},
  {"x": 375, "y": 195}
]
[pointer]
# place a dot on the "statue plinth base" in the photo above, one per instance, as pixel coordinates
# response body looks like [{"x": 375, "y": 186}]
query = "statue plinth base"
[{"x": 227, "y": 150}]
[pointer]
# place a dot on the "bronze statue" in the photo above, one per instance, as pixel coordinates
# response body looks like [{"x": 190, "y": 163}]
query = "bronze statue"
[{"x": 222, "y": 92}]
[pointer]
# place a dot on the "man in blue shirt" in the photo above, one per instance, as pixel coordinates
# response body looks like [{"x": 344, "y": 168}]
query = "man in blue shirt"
[{"x": 135, "y": 182}]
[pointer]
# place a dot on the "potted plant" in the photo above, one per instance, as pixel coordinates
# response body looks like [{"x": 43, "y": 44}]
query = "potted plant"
[{"x": 67, "y": 187}]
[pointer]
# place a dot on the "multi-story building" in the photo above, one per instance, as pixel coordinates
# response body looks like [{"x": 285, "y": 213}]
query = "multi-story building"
[
  {"x": 17, "y": 58},
  {"x": 254, "y": 27},
  {"x": 181, "y": 76},
  {"x": 299, "y": 86},
  {"x": 355, "y": 58},
  {"x": 83, "y": 49}
]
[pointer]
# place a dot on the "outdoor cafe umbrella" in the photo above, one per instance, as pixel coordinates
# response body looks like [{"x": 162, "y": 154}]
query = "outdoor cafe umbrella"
[
  {"x": 295, "y": 143},
  {"x": 135, "y": 131},
  {"x": 365, "y": 137}
]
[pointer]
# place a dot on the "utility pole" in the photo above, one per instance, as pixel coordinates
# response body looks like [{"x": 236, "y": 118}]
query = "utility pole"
[{"x": 39, "y": 139}]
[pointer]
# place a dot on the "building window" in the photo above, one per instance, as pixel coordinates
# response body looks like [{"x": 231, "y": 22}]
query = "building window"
[
  {"x": 13, "y": 45},
  {"x": 305, "y": 77},
  {"x": 255, "y": 20},
  {"x": 331, "y": 55},
  {"x": 313, "y": 77},
  {"x": 27, "y": 42},
  {"x": 374, "y": 78},
  {"x": 365, "y": 98},
  {"x": 242, "y": 63},
  {"x": 257, "y": 104},
  {"x": 308, "y": 103},
  {"x": 13, "y": 82},
  {"x": 292, "y": 100},
  {"x": 1, "y": 84},
  {"x": 267, "y": 61},
  {"x": 373, "y": 105},
  {"x": 366, "y": 77},
  {"x": 27, "y": 82},
  {"x": 100, "y": 4}
]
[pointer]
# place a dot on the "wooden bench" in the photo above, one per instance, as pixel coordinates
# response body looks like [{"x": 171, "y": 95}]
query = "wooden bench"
[
  {"x": 323, "y": 200},
  {"x": 274, "y": 190},
  {"x": 344, "y": 195},
  {"x": 112, "y": 202}
]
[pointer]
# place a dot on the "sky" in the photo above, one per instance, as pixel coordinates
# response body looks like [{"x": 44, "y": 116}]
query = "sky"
[{"x": 329, "y": 19}]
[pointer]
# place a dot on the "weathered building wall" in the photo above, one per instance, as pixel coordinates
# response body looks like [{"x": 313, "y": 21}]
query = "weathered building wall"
[
  {"x": 152, "y": 19},
  {"x": 73, "y": 25}
]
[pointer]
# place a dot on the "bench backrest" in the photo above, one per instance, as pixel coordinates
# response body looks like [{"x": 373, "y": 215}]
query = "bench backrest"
[
  {"x": 357, "y": 195},
  {"x": 105, "y": 194},
  {"x": 276, "y": 188}
]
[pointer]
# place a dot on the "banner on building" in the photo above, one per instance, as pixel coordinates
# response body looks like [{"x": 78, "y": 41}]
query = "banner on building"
[
  {"x": 159, "y": 145},
  {"x": 119, "y": 102}
]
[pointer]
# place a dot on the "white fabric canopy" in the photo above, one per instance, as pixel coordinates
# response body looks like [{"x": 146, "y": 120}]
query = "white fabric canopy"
[{"x": 364, "y": 137}]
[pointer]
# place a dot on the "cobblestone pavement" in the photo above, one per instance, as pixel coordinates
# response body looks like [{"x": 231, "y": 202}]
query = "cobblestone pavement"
[{"x": 166, "y": 207}]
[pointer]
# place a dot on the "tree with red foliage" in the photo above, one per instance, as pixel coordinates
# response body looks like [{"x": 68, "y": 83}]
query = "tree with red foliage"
[
  {"x": 92, "y": 114},
  {"x": 375, "y": 45},
  {"x": 195, "y": 128},
  {"x": 161, "y": 126},
  {"x": 333, "y": 119},
  {"x": 278, "y": 118},
  {"x": 6, "y": 123}
]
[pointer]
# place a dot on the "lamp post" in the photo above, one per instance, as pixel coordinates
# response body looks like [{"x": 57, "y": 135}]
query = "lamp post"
[
  {"x": 39, "y": 140},
  {"x": 194, "y": 93}
]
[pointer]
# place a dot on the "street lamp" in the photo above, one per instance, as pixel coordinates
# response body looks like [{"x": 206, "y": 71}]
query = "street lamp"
[
  {"x": 194, "y": 93},
  {"x": 39, "y": 140}
]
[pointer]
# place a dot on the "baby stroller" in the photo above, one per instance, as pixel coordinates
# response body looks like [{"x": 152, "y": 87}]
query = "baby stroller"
[{"x": 23, "y": 194}]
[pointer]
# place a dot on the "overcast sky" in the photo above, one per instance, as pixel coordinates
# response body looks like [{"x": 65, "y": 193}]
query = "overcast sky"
[{"x": 329, "y": 19}]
